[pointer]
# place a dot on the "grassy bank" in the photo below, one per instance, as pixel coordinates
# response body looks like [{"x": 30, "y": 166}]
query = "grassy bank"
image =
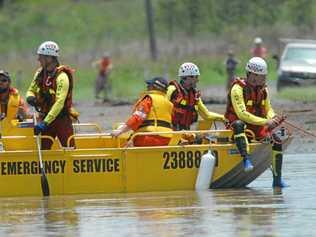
[{"x": 128, "y": 75}]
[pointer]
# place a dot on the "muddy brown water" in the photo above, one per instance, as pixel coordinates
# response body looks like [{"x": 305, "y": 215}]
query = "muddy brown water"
[{"x": 255, "y": 211}]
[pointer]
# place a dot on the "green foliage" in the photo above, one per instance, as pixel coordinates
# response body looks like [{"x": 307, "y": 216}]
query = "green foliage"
[
  {"x": 74, "y": 24},
  {"x": 191, "y": 16},
  {"x": 84, "y": 28},
  {"x": 301, "y": 13}
]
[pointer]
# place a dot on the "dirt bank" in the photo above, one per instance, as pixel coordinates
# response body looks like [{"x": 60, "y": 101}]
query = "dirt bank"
[{"x": 299, "y": 113}]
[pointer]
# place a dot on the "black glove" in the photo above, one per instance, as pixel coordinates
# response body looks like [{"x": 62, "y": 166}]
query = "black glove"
[
  {"x": 31, "y": 100},
  {"x": 20, "y": 117}
]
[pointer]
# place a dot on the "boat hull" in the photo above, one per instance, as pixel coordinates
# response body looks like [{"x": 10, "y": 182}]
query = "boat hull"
[{"x": 112, "y": 170}]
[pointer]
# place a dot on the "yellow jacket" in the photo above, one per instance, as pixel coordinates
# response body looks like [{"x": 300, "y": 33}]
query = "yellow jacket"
[
  {"x": 239, "y": 105},
  {"x": 15, "y": 105},
  {"x": 159, "y": 117}
]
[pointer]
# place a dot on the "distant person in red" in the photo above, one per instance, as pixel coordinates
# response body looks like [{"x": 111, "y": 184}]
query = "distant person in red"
[
  {"x": 104, "y": 66},
  {"x": 258, "y": 50}
]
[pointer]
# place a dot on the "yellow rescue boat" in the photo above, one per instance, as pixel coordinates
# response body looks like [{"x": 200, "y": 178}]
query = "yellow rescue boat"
[{"x": 101, "y": 164}]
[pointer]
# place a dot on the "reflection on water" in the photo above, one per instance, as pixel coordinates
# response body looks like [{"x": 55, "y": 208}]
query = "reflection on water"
[{"x": 256, "y": 211}]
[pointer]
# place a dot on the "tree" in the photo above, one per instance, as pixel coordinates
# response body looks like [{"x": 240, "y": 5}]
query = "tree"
[{"x": 151, "y": 30}]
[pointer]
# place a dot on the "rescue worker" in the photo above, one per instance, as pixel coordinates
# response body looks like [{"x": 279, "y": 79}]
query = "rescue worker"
[
  {"x": 12, "y": 104},
  {"x": 258, "y": 50},
  {"x": 249, "y": 107},
  {"x": 51, "y": 94},
  {"x": 186, "y": 99},
  {"x": 152, "y": 113},
  {"x": 102, "y": 82}
]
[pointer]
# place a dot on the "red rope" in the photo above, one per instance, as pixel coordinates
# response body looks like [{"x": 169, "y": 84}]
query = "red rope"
[{"x": 300, "y": 129}]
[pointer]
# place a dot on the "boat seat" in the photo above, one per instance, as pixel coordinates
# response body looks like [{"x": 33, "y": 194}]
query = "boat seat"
[{"x": 15, "y": 143}]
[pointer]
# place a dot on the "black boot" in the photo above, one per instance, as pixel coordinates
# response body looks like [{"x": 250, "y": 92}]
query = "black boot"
[{"x": 277, "y": 160}]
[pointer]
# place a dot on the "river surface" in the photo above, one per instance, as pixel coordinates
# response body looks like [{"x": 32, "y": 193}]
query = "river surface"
[{"x": 256, "y": 211}]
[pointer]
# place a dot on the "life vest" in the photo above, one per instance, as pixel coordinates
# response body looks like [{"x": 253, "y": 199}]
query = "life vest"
[
  {"x": 254, "y": 100},
  {"x": 159, "y": 117},
  {"x": 47, "y": 85},
  {"x": 10, "y": 110},
  {"x": 185, "y": 109}
]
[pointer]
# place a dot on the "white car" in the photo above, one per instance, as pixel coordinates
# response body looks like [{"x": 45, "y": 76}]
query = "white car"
[{"x": 297, "y": 65}]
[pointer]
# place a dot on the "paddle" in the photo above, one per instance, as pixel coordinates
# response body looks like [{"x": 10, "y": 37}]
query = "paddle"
[
  {"x": 44, "y": 181},
  {"x": 2, "y": 116}
]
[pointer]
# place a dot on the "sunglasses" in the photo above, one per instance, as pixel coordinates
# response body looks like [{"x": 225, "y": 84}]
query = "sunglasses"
[{"x": 4, "y": 80}]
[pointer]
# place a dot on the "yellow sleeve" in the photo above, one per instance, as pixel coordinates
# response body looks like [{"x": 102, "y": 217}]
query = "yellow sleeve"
[
  {"x": 170, "y": 91},
  {"x": 33, "y": 88},
  {"x": 240, "y": 107},
  {"x": 61, "y": 95},
  {"x": 206, "y": 114},
  {"x": 268, "y": 107}
]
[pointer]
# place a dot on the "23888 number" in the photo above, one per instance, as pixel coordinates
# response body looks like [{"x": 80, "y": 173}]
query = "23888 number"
[{"x": 182, "y": 159}]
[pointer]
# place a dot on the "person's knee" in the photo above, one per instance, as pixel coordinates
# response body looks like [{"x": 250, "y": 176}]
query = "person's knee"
[{"x": 238, "y": 127}]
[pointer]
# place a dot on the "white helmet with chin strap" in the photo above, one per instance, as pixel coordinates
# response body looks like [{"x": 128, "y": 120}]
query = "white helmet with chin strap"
[
  {"x": 257, "y": 65},
  {"x": 188, "y": 69},
  {"x": 48, "y": 48}
]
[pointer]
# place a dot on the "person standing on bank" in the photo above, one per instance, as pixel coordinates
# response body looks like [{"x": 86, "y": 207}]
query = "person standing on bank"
[
  {"x": 258, "y": 50},
  {"x": 249, "y": 106},
  {"x": 103, "y": 82},
  {"x": 51, "y": 94},
  {"x": 231, "y": 64},
  {"x": 186, "y": 99}
]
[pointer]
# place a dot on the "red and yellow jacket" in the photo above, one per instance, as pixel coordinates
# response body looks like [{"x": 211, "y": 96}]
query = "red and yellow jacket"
[
  {"x": 248, "y": 104},
  {"x": 187, "y": 105},
  {"x": 53, "y": 93}
]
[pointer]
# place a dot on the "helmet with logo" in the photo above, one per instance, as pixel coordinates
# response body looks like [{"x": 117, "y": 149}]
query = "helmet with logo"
[
  {"x": 188, "y": 69},
  {"x": 257, "y": 65},
  {"x": 48, "y": 48}
]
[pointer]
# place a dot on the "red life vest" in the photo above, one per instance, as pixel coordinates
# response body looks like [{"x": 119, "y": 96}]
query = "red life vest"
[
  {"x": 47, "y": 94},
  {"x": 184, "y": 106},
  {"x": 254, "y": 100}
]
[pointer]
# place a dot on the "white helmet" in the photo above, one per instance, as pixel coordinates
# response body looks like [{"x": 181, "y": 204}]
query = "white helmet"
[
  {"x": 188, "y": 69},
  {"x": 257, "y": 65},
  {"x": 48, "y": 48},
  {"x": 258, "y": 40}
]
